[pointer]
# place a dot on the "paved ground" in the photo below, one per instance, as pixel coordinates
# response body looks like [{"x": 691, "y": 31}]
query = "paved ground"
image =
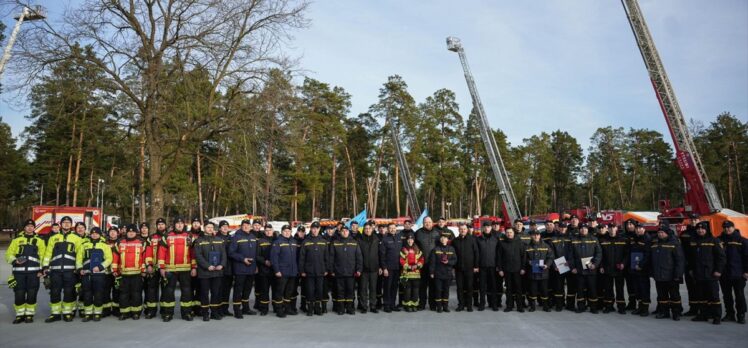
[{"x": 423, "y": 329}]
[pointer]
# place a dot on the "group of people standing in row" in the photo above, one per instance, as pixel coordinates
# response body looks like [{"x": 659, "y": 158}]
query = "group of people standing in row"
[{"x": 568, "y": 265}]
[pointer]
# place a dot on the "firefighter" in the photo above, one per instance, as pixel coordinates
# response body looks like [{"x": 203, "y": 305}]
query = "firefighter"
[
  {"x": 736, "y": 272},
  {"x": 177, "y": 266},
  {"x": 427, "y": 237},
  {"x": 80, "y": 230},
  {"x": 586, "y": 247},
  {"x": 381, "y": 232},
  {"x": 706, "y": 263},
  {"x": 111, "y": 292},
  {"x": 573, "y": 229},
  {"x": 367, "y": 291},
  {"x": 389, "y": 262},
  {"x": 510, "y": 261},
  {"x": 243, "y": 255},
  {"x": 639, "y": 246},
  {"x": 227, "y": 281},
  {"x": 629, "y": 233},
  {"x": 264, "y": 279},
  {"x": 411, "y": 262},
  {"x": 667, "y": 266},
  {"x": 299, "y": 237},
  {"x": 488, "y": 282},
  {"x": 152, "y": 280},
  {"x": 195, "y": 232},
  {"x": 283, "y": 258},
  {"x": 92, "y": 262},
  {"x": 441, "y": 226},
  {"x": 129, "y": 266},
  {"x": 443, "y": 260},
  {"x": 210, "y": 255},
  {"x": 497, "y": 231},
  {"x": 564, "y": 285},
  {"x": 59, "y": 265},
  {"x": 313, "y": 258},
  {"x": 685, "y": 242},
  {"x": 407, "y": 230},
  {"x": 615, "y": 261},
  {"x": 25, "y": 255},
  {"x": 466, "y": 249},
  {"x": 345, "y": 264},
  {"x": 539, "y": 256}
]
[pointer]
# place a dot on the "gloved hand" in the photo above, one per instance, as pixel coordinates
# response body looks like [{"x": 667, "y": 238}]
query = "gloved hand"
[
  {"x": 12, "y": 282},
  {"x": 116, "y": 282}
]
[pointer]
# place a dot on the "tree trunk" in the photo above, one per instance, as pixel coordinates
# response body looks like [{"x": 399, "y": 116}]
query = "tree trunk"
[
  {"x": 268, "y": 180},
  {"x": 141, "y": 178},
  {"x": 70, "y": 165},
  {"x": 332, "y": 188},
  {"x": 78, "y": 159},
  {"x": 353, "y": 179},
  {"x": 90, "y": 188},
  {"x": 199, "y": 186},
  {"x": 397, "y": 191}
]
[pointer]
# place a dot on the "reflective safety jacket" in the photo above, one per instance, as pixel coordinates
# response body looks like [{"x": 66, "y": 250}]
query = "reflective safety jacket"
[
  {"x": 175, "y": 252},
  {"x": 28, "y": 249},
  {"x": 93, "y": 253},
  {"x": 153, "y": 243},
  {"x": 61, "y": 250},
  {"x": 412, "y": 261},
  {"x": 130, "y": 256}
]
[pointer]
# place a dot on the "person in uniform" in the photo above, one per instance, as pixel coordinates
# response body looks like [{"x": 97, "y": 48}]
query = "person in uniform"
[
  {"x": 129, "y": 264},
  {"x": 59, "y": 265},
  {"x": 284, "y": 261},
  {"x": 92, "y": 263},
  {"x": 564, "y": 285},
  {"x": 265, "y": 278},
  {"x": 367, "y": 292},
  {"x": 242, "y": 253},
  {"x": 639, "y": 247},
  {"x": 488, "y": 282},
  {"x": 735, "y": 274},
  {"x": 411, "y": 262},
  {"x": 586, "y": 258},
  {"x": 177, "y": 266},
  {"x": 667, "y": 266},
  {"x": 25, "y": 254},
  {"x": 539, "y": 256},
  {"x": 706, "y": 263},
  {"x": 629, "y": 232},
  {"x": 210, "y": 255},
  {"x": 615, "y": 260},
  {"x": 300, "y": 282},
  {"x": 685, "y": 242},
  {"x": 227, "y": 283},
  {"x": 389, "y": 262},
  {"x": 111, "y": 292},
  {"x": 195, "y": 232},
  {"x": 313, "y": 259},
  {"x": 466, "y": 249},
  {"x": 345, "y": 263},
  {"x": 510, "y": 261},
  {"x": 497, "y": 231},
  {"x": 152, "y": 281},
  {"x": 427, "y": 237},
  {"x": 443, "y": 260}
]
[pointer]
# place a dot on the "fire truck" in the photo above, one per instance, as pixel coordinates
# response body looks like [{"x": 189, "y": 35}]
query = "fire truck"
[{"x": 45, "y": 215}]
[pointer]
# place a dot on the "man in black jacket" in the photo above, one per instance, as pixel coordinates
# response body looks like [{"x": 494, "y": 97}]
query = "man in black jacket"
[
  {"x": 265, "y": 276},
  {"x": 488, "y": 284},
  {"x": 736, "y": 272},
  {"x": 466, "y": 249},
  {"x": 510, "y": 261},
  {"x": 587, "y": 255},
  {"x": 615, "y": 259},
  {"x": 367, "y": 291},
  {"x": 389, "y": 262},
  {"x": 426, "y": 238},
  {"x": 345, "y": 263},
  {"x": 706, "y": 263},
  {"x": 667, "y": 267},
  {"x": 564, "y": 285},
  {"x": 313, "y": 269},
  {"x": 685, "y": 242},
  {"x": 638, "y": 268}
]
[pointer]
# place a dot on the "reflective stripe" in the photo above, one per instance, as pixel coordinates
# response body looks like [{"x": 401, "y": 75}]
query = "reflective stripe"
[
  {"x": 26, "y": 269},
  {"x": 61, "y": 267},
  {"x": 31, "y": 258},
  {"x": 71, "y": 257}
]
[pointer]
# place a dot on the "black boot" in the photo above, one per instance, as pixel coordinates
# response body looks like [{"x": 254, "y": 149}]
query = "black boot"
[
  {"x": 662, "y": 314},
  {"x": 280, "y": 311},
  {"x": 676, "y": 314},
  {"x": 53, "y": 318},
  {"x": 644, "y": 309},
  {"x": 350, "y": 310},
  {"x": 445, "y": 304},
  {"x": 238, "y": 312},
  {"x": 691, "y": 312},
  {"x": 206, "y": 316},
  {"x": 520, "y": 304},
  {"x": 318, "y": 308},
  {"x": 532, "y": 306},
  {"x": 730, "y": 316},
  {"x": 741, "y": 319},
  {"x": 632, "y": 305}
]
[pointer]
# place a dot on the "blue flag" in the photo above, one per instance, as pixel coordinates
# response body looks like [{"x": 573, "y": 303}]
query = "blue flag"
[
  {"x": 360, "y": 218},
  {"x": 419, "y": 222}
]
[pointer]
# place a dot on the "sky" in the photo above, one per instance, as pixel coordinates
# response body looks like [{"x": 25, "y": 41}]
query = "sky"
[{"x": 538, "y": 65}]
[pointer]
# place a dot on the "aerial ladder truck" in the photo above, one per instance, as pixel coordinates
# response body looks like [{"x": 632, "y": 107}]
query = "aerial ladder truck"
[
  {"x": 700, "y": 195},
  {"x": 410, "y": 190},
  {"x": 510, "y": 208}
]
